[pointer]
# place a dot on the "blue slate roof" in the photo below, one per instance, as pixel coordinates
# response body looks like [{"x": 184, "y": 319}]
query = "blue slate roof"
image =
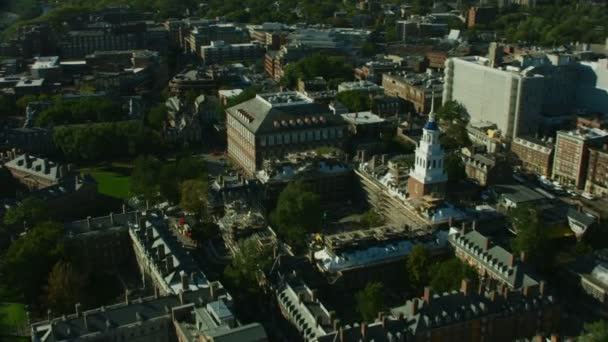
[{"x": 431, "y": 126}]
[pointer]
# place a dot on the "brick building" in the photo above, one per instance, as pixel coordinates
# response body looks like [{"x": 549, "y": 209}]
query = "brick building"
[
  {"x": 415, "y": 88},
  {"x": 272, "y": 125},
  {"x": 572, "y": 154},
  {"x": 481, "y": 15},
  {"x": 220, "y": 52},
  {"x": 534, "y": 155},
  {"x": 35, "y": 173},
  {"x": 597, "y": 171}
]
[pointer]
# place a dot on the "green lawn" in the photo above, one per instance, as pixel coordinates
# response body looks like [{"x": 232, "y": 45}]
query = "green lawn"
[
  {"x": 113, "y": 180},
  {"x": 12, "y": 315}
]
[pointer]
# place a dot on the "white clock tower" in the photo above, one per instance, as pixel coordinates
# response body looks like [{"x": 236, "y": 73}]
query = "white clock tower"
[{"x": 428, "y": 176}]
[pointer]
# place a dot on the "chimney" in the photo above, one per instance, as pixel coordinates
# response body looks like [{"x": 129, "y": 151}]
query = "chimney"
[
  {"x": 124, "y": 208},
  {"x": 300, "y": 298},
  {"x": 528, "y": 291},
  {"x": 522, "y": 256},
  {"x": 184, "y": 278},
  {"x": 463, "y": 230},
  {"x": 363, "y": 331},
  {"x": 85, "y": 321},
  {"x": 89, "y": 222},
  {"x": 506, "y": 292},
  {"x": 180, "y": 294},
  {"x": 156, "y": 292},
  {"x": 542, "y": 288},
  {"x": 465, "y": 287},
  {"x": 486, "y": 244},
  {"x": 313, "y": 295},
  {"x": 336, "y": 324},
  {"x": 474, "y": 227},
  {"x": 511, "y": 260},
  {"x": 414, "y": 311},
  {"x": 169, "y": 263},
  {"x": 127, "y": 300},
  {"x": 212, "y": 290},
  {"x": 341, "y": 334},
  {"x": 112, "y": 219},
  {"x": 451, "y": 221},
  {"x": 428, "y": 294}
]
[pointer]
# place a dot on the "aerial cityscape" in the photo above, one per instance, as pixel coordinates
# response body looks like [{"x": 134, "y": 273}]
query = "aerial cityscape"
[{"x": 304, "y": 170}]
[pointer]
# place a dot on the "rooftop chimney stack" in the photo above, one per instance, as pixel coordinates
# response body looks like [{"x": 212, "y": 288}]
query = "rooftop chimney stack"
[
  {"x": 465, "y": 287},
  {"x": 184, "y": 279},
  {"x": 414, "y": 311},
  {"x": 428, "y": 294},
  {"x": 78, "y": 309}
]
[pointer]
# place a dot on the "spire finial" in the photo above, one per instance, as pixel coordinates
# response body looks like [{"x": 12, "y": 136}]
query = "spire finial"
[{"x": 432, "y": 113}]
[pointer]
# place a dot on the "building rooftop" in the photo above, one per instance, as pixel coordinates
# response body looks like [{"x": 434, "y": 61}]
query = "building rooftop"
[
  {"x": 517, "y": 193},
  {"x": 46, "y": 62},
  {"x": 359, "y": 85},
  {"x": 362, "y": 118},
  {"x": 367, "y": 247},
  {"x": 283, "y": 111},
  {"x": 495, "y": 259},
  {"x": 584, "y": 134},
  {"x": 37, "y": 167}
]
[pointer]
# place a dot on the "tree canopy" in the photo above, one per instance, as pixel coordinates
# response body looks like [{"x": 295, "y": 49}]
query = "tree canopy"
[
  {"x": 595, "y": 332},
  {"x": 531, "y": 237},
  {"x": 370, "y": 301},
  {"x": 108, "y": 140},
  {"x": 418, "y": 262},
  {"x": 355, "y": 101},
  {"x": 249, "y": 259},
  {"x": 298, "y": 213},
  {"x": 65, "y": 288},
  {"x": 447, "y": 275},
  {"x": 331, "y": 68},
  {"x": 29, "y": 212},
  {"x": 193, "y": 196},
  {"x": 81, "y": 110},
  {"x": 37, "y": 250},
  {"x": 151, "y": 176}
]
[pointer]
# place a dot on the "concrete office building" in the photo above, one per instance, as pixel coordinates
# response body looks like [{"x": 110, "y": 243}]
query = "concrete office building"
[
  {"x": 572, "y": 154},
  {"x": 510, "y": 98},
  {"x": 514, "y": 96}
]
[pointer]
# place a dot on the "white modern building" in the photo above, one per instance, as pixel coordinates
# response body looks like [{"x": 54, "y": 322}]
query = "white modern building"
[
  {"x": 509, "y": 97},
  {"x": 513, "y": 97}
]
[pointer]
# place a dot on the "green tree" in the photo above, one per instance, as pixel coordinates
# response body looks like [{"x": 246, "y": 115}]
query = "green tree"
[
  {"x": 298, "y": 212},
  {"x": 245, "y": 95},
  {"x": 370, "y": 301},
  {"x": 30, "y": 211},
  {"x": 144, "y": 178},
  {"x": 29, "y": 259},
  {"x": 328, "y": 67},
  {"x": 454, "y": 167},
  {"x": 156, "y": 116},
  {"x": 193, "y": 196},
  {"x": 7, "y": 106},
  {"x": 371, "y": 219},
  {"x": 250, "y": 259},
  {"x": 531, "y": 237},
  {"x": 447, "y": 275},
  {"x": 417, "y": 266},
  {"x": 65, "y": 288},
  {"x": 595, "y": 332},
  {"x": 355, "y": 101}
]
